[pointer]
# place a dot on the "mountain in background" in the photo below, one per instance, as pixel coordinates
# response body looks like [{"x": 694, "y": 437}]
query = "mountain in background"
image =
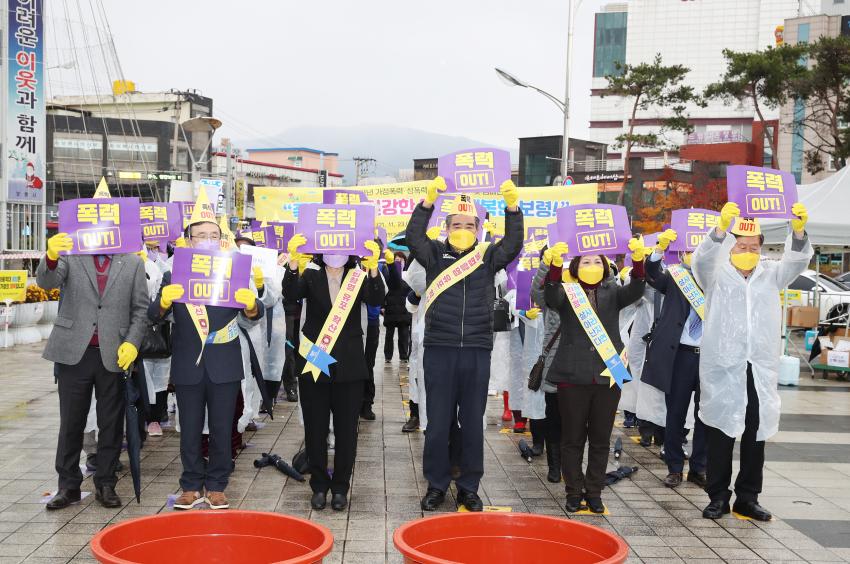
[{"x": 393, "y": 148}]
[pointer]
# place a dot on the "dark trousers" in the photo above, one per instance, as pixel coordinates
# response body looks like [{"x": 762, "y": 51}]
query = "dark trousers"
[
  {"x": 720, "y": 447},
  {"x": 343, "y": 400},
  {"x": 157, "y": 412},
  {"x": 75, "y": 387},
  {"x": 293, "y": 335},
  {"x": 552, "y": 431},
  {"x": 403, "y": 341},
  {"x": 373, "y": 335},
  {"x": 456, "y": 382},
  {"x": 685, "y": 382},
  {"x": 219, "y": 402},
  {"x": 587, "y": 416}
]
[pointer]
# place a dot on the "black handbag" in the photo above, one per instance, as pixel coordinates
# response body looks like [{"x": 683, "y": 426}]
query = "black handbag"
[
  {"x": 157, "y": 341},
  {"x": 535, "y": 377},
  {"x": 502, "y": 318}
]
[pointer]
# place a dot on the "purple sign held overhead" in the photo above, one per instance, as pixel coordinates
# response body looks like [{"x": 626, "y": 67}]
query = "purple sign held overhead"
[
  {"x": 102, "y": 226},
  {"x": 523, "y": 289},
  {"x": 761, "y": 192},
  {"x": 692, "y": 226},
  {"x": 161, "y": 222},
  {"x": 337, "y": 228},
  {"x": 186, "y": 209},
  {"x": 344, "y": 197},
  {"x": 280, "y": 234},
  {"x": 210, "y": 277},
  {"x": 475, "y": 170},
  {"x": 594, "y": 229}
]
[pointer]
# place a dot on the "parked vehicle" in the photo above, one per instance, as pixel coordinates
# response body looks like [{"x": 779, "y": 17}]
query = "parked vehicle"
[{"x": 834, "y": 295}]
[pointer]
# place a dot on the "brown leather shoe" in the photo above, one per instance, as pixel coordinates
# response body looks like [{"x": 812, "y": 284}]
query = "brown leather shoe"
[
  {"x": 217, "y": 500},
  {"x": 673, "y": 480},
  {"x": 188, "y": 500}
]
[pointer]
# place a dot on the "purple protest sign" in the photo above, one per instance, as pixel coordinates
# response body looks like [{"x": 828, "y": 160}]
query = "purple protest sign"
[
  {"x": 475, "y": 170},
  {"x": 523, "y": 289},
  {"x": 595, "y": 229},
  {"x": 186, "y": 209},
  {"x": 691, "y": 226},
  {"x": 382, "y": 235},
  {"x": 102, "y": 226},
  {"x": 337, "y": 228},
  {"x": 210, "y": 277},
  {"x": 344, "y": 197},
  {"x": 280, "y": 234},
  {"x": 161, "y": 222},
  {"x": 529, "y": 256},
  {"x": 761, "y": 192},
  {"x": 511, "y": 271},
  {"x": 443, "y": 206}
]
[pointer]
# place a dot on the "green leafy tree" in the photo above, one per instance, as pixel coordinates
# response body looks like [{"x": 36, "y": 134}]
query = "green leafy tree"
[
  {"x": 761, "y": 78},
  {"x": 651, "y": 85}
]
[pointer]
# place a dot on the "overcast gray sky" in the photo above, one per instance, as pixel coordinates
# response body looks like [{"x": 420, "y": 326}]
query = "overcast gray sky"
[{"x": 427, "y": 65}]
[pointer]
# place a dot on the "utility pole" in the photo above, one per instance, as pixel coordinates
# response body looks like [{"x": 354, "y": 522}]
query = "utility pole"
[
  {"x": 228, "y": 181},
  {"x": 363, "y": 167}
]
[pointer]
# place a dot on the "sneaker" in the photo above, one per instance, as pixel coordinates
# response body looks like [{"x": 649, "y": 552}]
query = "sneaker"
[
  {"x": 154, "y": 429},
  {"x": 188, "y": 500},
  {"x": 217, "y": 500}
]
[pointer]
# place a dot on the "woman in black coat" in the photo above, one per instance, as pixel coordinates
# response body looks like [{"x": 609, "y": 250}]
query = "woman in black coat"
[
  {"x": 341, "y": 393},
  {"x": 396, "y": 315},
  {"x": 586, "y": 400}
]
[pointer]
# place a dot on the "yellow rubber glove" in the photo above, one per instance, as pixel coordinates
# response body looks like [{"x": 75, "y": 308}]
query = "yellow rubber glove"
[
  {"x": 247, "y": 298},
  {"x": 639, "y": 251},
  {"x": 802, "y": 214},
  {"x": 127, "y": 354},
  {"x": 59, "y": 242},
  {"x": 490, "y": 228},
  {"x": 259, "y": 279},
  {"x": 169, "y": 294},
  {"x": 371, "y": 261},
  {"x": 728, "y": 213},
  {"x": 532, "y": 313},
  {"x": 665, "y": 239},
  {"x": 389, "y": 256},
  {"x": 303, "y": 261},
  {"x": 554, "y": 254},
  {"x": 298, "y": 240},
  {"x": 625, "y": 272},
  {"x": 143, "y": 254},
  {"x": 434, "y": 188},
  {"x": 180, "y": 242},
  {"x": 433, "y": 232},
  {"x": 509, "y": 193}
]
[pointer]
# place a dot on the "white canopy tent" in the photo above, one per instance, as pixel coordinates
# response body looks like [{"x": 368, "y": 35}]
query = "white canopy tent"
[{"x": 828, "y": 202}]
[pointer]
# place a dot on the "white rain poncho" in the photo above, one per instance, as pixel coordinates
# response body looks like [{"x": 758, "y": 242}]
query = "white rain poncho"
[
  {"x": 533, "y": 403},
  {"x": 157, "y": 370},
  {"x": 274, "y": 351},
  {"x": 500, "y": 364},
  {"x": 414, "y": 276},
  {"x": 742, "y": 324},
  {"x": 251, "y": 395}
]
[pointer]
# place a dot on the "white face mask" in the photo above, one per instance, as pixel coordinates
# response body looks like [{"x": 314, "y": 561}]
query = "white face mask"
[{"x": 335, "y": 261}]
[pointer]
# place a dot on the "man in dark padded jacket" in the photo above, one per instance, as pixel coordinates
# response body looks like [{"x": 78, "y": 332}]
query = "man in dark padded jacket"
[{"x": 459, "y": 300}]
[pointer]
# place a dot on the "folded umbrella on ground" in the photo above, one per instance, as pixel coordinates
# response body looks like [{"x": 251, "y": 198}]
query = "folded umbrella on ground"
[
  {"x": 616, "y": 475},
  {"x": 525, "y": 450},
  {"x": 280, "y": 464}
]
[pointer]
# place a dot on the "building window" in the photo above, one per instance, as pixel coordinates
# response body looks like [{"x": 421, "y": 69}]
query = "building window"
[
  {"x": 767, "y": 152},
  {"x": 609, "y": 42},
  {"x": 537, "y": 170}
]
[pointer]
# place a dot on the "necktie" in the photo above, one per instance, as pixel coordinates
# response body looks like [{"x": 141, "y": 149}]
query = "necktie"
[{"x": 695, "y": 325}]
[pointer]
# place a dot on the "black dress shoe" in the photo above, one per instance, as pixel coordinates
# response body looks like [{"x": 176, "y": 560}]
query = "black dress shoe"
[
  {"x": 697, "y": 478},
  {"x": 339, "y": 502},
  {"x": 319, "y": 500},
  {"x": 63, "y": 499},
  {"x": 536, "y": 449},
  {"x": 107, "y": 497},
  {"x": 410, "y": 425},
  {"x": 367, "y": 413},
  {"x": 573, "y": 503},
  {"x": 716, "y": 509},
  {"x": 432, "y": 500},
  {"x": 595, "y": 504},
  {"x": 752, "y": 510},
  {"x": 470, "y": 500},
  {"x": 673, "y": 480}
]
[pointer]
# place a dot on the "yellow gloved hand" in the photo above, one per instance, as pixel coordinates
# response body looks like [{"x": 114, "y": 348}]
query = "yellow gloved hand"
[
  {"x": 298, "y": 240},
  {"x": 180, "y": 242},
  {"x": 625, "y": 272},
  {"x": 371, "y": 261},
  {"x": 127, "y": 354},
  {"x": 728, "y": 213},
  {"x": 665, "y": 239},
  {"x": 257, "y": 274},
  {"x": 433, "y": 232},
  {"x": 490, "y": 227},
  {"x": 434, "y": 188},
  {"x": 639, "y": 251},
  {"x": 532, "y": 313},
  {"x": 509, "y": 193},
  {"x": 303, "y": 261},
  {"x": 169, "y": 294},
  {"x": 59, "y": 242},
  {"x": 802, "y": 214},
  {"x": 567, "y": 277},
  {"x": 554, "y": 255},
  {"x": 389, "y": 256},
  {"x": 247, "y": 298}
]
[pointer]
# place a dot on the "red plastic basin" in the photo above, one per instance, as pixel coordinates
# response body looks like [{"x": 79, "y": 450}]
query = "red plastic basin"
[
  {"x": 484, "y": 538},
  {"x": 213, "y": 537}
]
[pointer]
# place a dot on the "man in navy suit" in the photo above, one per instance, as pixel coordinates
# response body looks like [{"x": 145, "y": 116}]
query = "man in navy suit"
[{"x": 206, "y": 380}]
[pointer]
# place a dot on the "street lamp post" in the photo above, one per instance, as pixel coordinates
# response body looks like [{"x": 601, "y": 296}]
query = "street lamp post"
[{"x": 563, "y": 105}]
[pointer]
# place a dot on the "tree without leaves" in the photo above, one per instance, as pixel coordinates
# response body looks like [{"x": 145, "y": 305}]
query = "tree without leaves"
[
  {"x": 825, "y": 87},
  {"x": 760, "y": 77},
  {"x": 650, "y": 85}
]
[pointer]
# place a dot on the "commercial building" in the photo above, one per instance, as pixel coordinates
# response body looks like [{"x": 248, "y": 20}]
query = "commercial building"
[
  {"x": 540, "y": 159},
  {"x": 692, "y": 33}
]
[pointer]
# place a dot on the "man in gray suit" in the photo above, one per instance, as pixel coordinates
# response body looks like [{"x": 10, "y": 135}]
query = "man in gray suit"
[{"x": 97, "y": 334}]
